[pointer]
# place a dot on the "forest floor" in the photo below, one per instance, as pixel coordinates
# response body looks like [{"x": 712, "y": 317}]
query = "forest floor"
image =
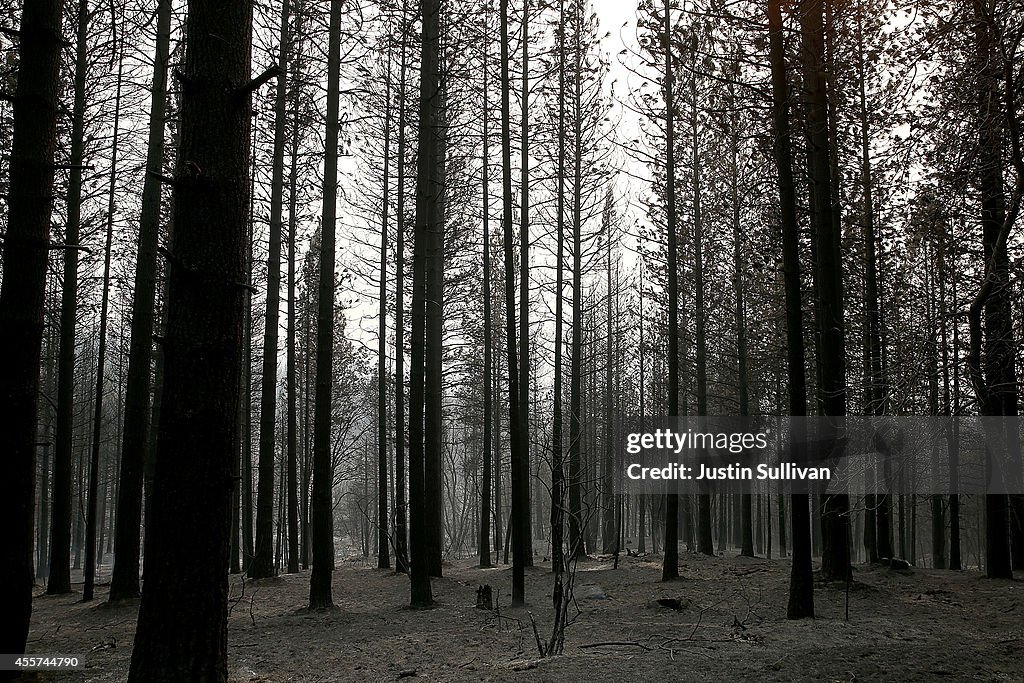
[{"x": 918, "y": 625}]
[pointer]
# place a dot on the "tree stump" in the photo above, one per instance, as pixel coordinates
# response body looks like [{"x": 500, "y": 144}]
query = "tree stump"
[{"x": 484, "y": 598}]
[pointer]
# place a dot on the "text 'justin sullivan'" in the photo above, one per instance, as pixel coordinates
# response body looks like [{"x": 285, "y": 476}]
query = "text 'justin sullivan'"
[
  {"x": 666, "y": 439},
  {"x": 783, "y": 471}
]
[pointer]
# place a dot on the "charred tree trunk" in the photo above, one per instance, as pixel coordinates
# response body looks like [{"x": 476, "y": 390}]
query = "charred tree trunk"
[
  {"x": 60, "y": 542},
  {"x": 428, "y": 194},
  {"x": 641, "y": 501},
  {"x": 497, "y": 509},
  {"x": 430, "y": 200},
  {"x": 92, "y": 522},
  {"x": 291, "y": 364},
  {"x": 245, "y": 410},
  {"x": 262, "y": 565},
  {"x": 485, "y": 484},
  {"x": 877, "y": 533},
  {"x": 951, "y": 400},
  {"x": 704, "y": 541},
  {"x": 938, "y": 513},
  {"x": 739, "y": 268},
  {"x": 205, "y": 316},
  {"x": 801, "y": 580},
  {"x": 828, "y": 278},
  {"x": 670, "y": 566},
  {"x": 322, "y": 504},
  {"x": 25, "y": 245},
  {"x": 520, "y": 523},
  {"x": 383, "y": 546},
  {"x": 992, "y": 348},
  {"x": 524, "y": 267},
  {"x": 557, "y": 451},
  {"x": 124, "y": 582},
  {"x": 149, "y": 462},
  {"x": 577, "y": 542},
  {"x": 609, "y": 538},
  {"x": 307, "y": 441},
  {"x": 401, "y": 533}
]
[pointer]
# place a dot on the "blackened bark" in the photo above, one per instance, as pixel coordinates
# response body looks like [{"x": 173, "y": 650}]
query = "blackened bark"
[
  {"x": 25, "y": 245},
  {"x": 520, "y": 467},
  {"x": 430, "y": 209},
  {"x": 307, "y": 443},
  {"x": 401, "y": 527},
  {"x": 951, "y": 399},
  {"x": 670, "y": 565},
  {"x": 322, "y": 504},
  {"x": 557, "y": 450},
  {"x": 291, "y": 386},
  {"x": 485, "y": 242},
  {"x": 938, "y": 513},
  {"x": 801, "y": 580},
  {"x": 124, "y": 582},
  {"x": 205, "y": 316},
  {"x": 524, "y": 265},
  {"x": 383, "y": 523},
  {"x": 92, "y": 523},
  {"x": 496, "y": 507},
  {"x": 877, "y": 533},
  {"x": 739, "y": 268},
  {"x": 245, "y": 409},
  {"x": 427, "y": 194},
  {"x": 835, "y": 561},
  {"x": 262, "y": 564},
  {"x": 640, "y": 499},
  {"x": 609, "y": 538},
  {"x": 577, "y": 542},
  {"x": 704, "y": 541},
  {"x": 994, "y": 376},
  {"x": 60, "y": 529},
  {"x": 43, "y": 526},
  {"x": 149, "y": 459}
]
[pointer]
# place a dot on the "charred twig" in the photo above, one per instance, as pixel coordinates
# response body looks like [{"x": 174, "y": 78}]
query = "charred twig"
[
  {"x": 241, "y": 595},
  {"x": 252, "y": 600},
  {"x": 617, "y": 643},
  {"x": 536, "y": 635},
  {"x": 44, "y": 634},
  {"x": 696, "y": 625}
]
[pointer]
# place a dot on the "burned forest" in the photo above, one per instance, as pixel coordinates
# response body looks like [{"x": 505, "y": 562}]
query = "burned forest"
[{"x": 445, "y": 340}]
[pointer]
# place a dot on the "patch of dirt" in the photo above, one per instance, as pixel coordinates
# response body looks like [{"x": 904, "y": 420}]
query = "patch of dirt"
[{"x": 723, "y": 620}]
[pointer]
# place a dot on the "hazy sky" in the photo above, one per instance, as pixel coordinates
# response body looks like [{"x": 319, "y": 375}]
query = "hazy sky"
[{"x": 613, "y": 12}]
